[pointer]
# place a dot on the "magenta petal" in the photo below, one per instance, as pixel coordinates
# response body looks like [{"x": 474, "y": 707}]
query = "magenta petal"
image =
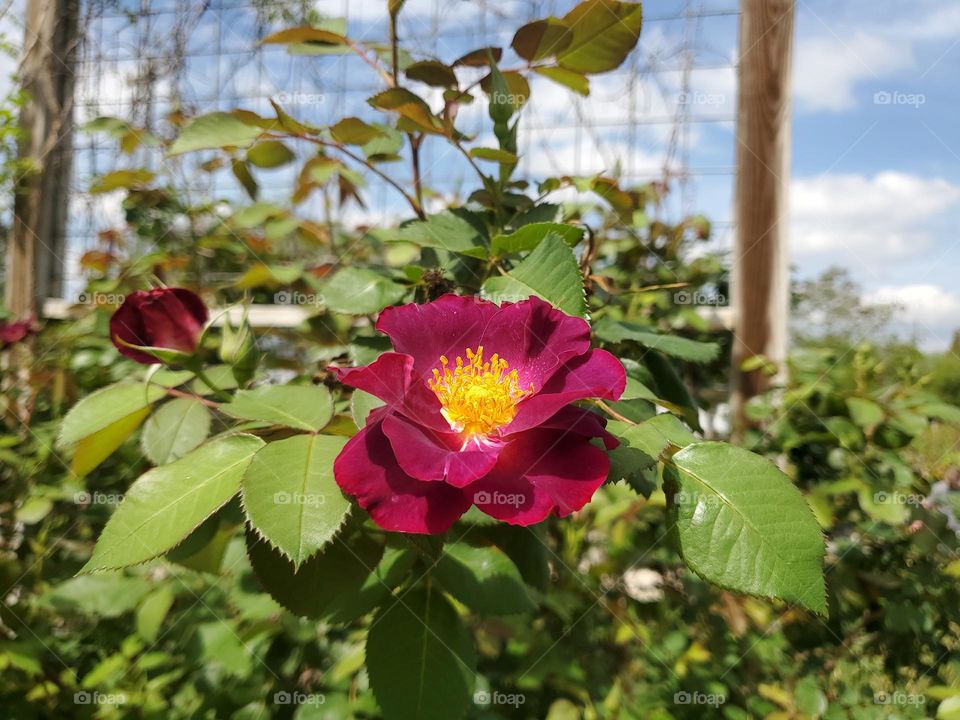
[
  {"x": 535, "y": 339},
  {"x": 446, "y": 326},
  {"x": 582, "y": 422},
  {"x": 367, "y": 470},
  {"x": 126, "y": 324},
  {"x": 391, "y": 378},
  {"x": 597, "y": 374},
  {"x": 538, "y": 472},
  {"x": 434, "y": 456}
]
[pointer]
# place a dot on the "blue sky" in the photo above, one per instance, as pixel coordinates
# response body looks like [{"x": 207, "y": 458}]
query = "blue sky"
[{"x": 875, "y": 181}]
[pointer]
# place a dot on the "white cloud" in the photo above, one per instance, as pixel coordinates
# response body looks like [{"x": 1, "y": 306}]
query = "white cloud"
[
  {"x": 829, "y": 67},
  {"x": 867, "y": 219},
  {"x": 925, "y": 312}
]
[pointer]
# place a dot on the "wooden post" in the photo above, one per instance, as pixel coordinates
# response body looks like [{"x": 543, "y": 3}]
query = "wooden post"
[
  {"x": 760, "y": 264},
  {"x": 35, "y": 249}
]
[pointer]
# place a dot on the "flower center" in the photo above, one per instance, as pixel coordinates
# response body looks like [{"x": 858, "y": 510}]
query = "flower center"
[{"x": 477, "y": 396}]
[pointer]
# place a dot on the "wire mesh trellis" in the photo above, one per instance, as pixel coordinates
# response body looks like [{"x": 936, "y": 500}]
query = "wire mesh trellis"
[{"x": 667, "y": 113}]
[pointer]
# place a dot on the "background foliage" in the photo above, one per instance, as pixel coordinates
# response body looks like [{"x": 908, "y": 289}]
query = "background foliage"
[{"x": 594, "y": 617}]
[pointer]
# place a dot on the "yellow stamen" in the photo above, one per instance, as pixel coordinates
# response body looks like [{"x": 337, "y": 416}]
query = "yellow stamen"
[{"x": 476, "y": 396}]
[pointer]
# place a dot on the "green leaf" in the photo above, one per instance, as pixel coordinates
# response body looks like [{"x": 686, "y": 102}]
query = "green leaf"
[
  {"x": 393, "y": 569},
  {"x": 384, "y": 147},
  {"x": 121, "y": 179},
  {"x": 432, "y": 72},
  {"x": 653, "y": 436},
  {"x": 339, "y": 570},
  {"x": 940, "y": 411},
  {"x": 743, "y": 525},
  {"x": 604, "y": 33},
  {"x": 216, "y": 130},
  {"x": 483, "y": 578},
  {"x": 290, "y": 495},
  {"x": 494, "y": 155},
  {"x": 529, "y": 236},
  {"x": 305, "y": 407},
  {"x": 479, "y": 57},
  {"x": 166, "y": 504},
  {"x": 672, "y": 345},
  {"x": 575, "y": 81},
  {"x": 94, "y": 449},
  {"x": 361, "y": 291},
  {"x": 174, "y": 430},
  {"x": 542, "y": 38},
  {"x": 270, "y": 154},
  {"x": 152, "y": 611},
  {"x": 550, "y": 272},
  {"x": 354, "y": 131},
  {"x": 421, "y": 658},
  {"x": 864, "y": 413},
  {"x": 304, "y": 34},
  {"x": 447, "y": 230},
  {"x": 410, "y": 107},
  {"x": 105, "y": 407},
  {"x": 670, "y": 387},
  {"x": 361, "y": 404}
]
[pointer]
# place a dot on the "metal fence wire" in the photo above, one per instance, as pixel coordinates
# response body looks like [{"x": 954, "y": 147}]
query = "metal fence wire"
[{"x": 667, "y": 113}]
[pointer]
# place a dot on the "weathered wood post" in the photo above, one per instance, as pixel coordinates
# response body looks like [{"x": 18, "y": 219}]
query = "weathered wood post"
[{"x": 760, "y": 272}]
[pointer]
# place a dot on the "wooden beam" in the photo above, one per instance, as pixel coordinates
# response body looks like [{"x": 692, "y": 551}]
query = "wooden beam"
[
  {"x": 760, "y": 291},
  {"x": 35, "y": 250}
]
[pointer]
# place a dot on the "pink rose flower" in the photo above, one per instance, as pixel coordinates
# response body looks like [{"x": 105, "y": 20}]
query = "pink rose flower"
[{"x": 478, "y": 412}]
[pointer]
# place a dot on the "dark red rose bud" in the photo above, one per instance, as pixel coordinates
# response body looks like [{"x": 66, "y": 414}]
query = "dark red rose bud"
[
  {"x": 13, "y": 333},
  {"x": 169, "y": 318}
]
